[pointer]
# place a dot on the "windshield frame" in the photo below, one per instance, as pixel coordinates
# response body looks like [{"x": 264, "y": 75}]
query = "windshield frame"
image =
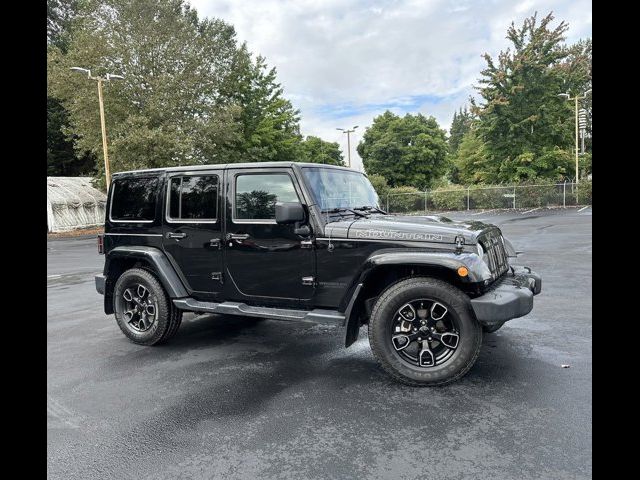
[{"x": 316, "y": 201}]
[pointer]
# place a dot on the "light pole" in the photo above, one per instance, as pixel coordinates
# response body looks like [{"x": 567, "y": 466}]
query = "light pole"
[
  {"x": 103, "y": 127},
  {"x": 576, "y": 98},
  {"x": 348, "y": 132}
]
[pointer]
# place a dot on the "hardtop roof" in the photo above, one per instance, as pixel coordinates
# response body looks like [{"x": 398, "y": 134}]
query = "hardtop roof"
[{"x": 223, "y": 166}]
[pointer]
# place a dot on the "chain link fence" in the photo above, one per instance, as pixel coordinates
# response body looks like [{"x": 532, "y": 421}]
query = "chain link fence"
[{"x": 488, "y": 198}]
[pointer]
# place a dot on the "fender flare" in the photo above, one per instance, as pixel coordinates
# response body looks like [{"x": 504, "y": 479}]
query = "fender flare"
[
  {"x": 156, "y": 257},
  {"x": 478, "y": 272}
]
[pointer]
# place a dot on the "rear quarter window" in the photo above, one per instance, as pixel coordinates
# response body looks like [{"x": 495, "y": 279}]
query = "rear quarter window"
[{"x": 134, "y": 199}]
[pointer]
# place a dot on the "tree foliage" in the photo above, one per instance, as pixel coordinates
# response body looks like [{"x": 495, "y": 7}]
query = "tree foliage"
[
  {"x": 470, "y": 160},
  {"x": 460, "y": 125},
  {"x": 525, "y": 127},
  {"x": 190, "y": 94},
  {"x": 269, "y": 124},
  {"x": 409, "y": 150},
  {"x": 316, "y": 150},
  {"x": 61, "y": 157}
]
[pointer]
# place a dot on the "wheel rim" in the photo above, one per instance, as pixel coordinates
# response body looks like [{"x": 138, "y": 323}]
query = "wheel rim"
[
  {"x": 139, "y": 307},
  {"x": 425, "y": 333}
]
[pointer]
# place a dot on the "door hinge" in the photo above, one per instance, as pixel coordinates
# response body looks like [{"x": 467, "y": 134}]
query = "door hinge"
[
  {"x": 306, "y": 243},
  {"x": 308, "y": 281},
  {"x": 215, "y": 242},
  {"x": 217, "y": 276}
]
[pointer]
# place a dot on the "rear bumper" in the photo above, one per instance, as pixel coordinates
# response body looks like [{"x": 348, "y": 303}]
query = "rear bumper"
[
  {"x": 100, "y": 284},
  {"x": 512, "y": 297}
]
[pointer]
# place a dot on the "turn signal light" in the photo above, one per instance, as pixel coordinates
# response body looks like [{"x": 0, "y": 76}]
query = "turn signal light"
[{"x": 463, "y": 271}]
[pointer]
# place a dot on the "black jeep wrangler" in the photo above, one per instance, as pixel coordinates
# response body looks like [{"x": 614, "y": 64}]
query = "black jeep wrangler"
[{"x": 306, "y": 243}]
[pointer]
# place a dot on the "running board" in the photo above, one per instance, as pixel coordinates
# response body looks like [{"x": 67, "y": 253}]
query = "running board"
[{"x": 234, "y": 308}]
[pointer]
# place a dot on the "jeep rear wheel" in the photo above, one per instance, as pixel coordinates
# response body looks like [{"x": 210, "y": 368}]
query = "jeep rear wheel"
[
  {"x": 142, "y": 309},
  {"x": 423, "y": 333}
]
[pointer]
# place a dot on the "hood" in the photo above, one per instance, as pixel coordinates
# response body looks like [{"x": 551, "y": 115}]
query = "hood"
[{"x": 432, "y": 228}]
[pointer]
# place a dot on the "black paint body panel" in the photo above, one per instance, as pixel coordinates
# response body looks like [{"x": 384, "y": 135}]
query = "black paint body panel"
[{"x": 271, "y": 264}]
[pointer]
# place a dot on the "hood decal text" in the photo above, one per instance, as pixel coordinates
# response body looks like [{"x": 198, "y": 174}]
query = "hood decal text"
[{"x": 391, "y": 235}]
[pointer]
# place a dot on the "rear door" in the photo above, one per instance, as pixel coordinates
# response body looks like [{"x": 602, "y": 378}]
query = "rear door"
[
  {"x": 193, "y": 230},
  {"x": 265, "y": 260}
]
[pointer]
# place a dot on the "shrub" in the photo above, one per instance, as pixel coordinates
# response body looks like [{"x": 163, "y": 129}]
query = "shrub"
[
  {"x": 489, "y": 196},
  {"x": 532, "y": 196},
  {"x": 379, "y": 185},
  {"x": 453, "y": 197},
  {"x": 584, "y": 192},
  {"x": 404, "y": 200}
]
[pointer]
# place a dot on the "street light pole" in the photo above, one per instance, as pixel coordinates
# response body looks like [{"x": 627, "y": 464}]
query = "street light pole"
[
  {"x": 575, "y": 99},
  {"x": 103, "y": 126},
  {"x": 348, "y": 132}
]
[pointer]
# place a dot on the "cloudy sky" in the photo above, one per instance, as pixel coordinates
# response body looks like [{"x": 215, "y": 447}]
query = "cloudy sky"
[{"x": 343, "y": 62}]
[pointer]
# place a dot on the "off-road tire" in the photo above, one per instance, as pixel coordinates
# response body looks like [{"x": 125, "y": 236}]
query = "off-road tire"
[
  {"x": 382, "y": 316},
  {"x": 168, "y": 318},
  {"x": 176, "y": 321}
]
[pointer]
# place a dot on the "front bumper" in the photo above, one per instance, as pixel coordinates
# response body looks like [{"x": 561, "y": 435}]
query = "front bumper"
[
  {"x": 100, "y": 284},
  {"x": 511, "y": 297}
]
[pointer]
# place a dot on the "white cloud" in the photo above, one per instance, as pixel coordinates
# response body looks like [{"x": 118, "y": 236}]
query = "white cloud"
[{"x": 344, "y": 62}]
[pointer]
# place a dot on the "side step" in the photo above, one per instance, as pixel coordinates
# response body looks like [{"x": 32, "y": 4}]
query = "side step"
[{"x": 234, "y": 308}]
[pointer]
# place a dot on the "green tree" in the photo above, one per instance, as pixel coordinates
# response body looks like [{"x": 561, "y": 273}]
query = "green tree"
[
  {"x": 269, "y": 124},
  {"x": 190, "y": 95},
  {"x": 525, "y": 127},
  {"x": 470, "y": 160},
  {"x": 62, "y": 159},
  {"x": 60, "y": 16},
  {"x": 316, "y": 150},
  {"x": 380, "y": 185},
  {"x": 460, "y": 125},
  {"x": 409, "y": 150}
]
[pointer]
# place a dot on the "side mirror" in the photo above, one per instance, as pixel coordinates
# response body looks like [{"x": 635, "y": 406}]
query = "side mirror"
[{"x": 289, "y": 212}]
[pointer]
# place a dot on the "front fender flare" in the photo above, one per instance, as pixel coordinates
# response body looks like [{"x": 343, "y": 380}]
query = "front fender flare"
[{"x": 478, "y": 272}]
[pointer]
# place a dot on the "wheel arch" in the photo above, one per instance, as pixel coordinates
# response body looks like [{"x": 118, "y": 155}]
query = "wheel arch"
[
  {"x": 382, "y": 270},
  {"x": 152, "y": 259}
]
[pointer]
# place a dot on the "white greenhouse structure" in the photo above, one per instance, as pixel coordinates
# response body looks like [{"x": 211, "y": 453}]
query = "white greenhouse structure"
[{"x": 73, "y": 202}]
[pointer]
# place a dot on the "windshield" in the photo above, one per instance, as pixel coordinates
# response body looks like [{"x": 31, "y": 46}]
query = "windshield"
[{"x": 333, "y": 188}]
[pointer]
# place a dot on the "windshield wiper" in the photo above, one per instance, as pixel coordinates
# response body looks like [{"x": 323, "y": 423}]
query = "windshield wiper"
[
  {"x": 370, "y": 209},
  {"x": 342, "y": 209}
]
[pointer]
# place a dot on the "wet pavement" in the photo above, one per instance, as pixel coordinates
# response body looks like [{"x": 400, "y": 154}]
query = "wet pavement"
[{"x": 234, "y": 398}]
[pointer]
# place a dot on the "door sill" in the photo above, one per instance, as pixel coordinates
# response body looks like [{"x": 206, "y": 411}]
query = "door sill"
[{"x": 317, "y": 315}]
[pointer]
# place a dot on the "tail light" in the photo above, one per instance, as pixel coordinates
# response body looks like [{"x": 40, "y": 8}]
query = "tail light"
[{"x": 101, "y": 244}]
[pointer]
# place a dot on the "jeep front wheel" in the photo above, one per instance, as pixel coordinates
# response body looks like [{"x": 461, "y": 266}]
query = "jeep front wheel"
[
  {"x": 142, "y": 309},
  {"x": 423, "y": 333}
]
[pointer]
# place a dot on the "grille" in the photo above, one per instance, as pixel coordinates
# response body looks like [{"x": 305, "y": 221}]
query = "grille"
[{"x": 496, "y": 256}]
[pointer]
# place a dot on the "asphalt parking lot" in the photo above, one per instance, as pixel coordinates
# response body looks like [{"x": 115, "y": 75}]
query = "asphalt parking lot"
[{"x": 242, "y": 398}]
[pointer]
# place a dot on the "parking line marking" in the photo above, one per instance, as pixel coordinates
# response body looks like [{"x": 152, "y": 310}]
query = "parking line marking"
[
  {"x": 532, "y": 210},
  {"x": 584, "y": 208},
  {"x": 53, "y": 276}
]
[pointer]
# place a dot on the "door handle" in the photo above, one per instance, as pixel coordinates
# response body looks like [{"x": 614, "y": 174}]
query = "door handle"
[
  {"x": 238, "y": 236},
  {"x": 176, "y": 235}
]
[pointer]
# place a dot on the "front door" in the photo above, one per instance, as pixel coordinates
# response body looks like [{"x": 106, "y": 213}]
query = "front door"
[
  {"x": 265, "y": 260},
  {"x": 193, "y": 230}
]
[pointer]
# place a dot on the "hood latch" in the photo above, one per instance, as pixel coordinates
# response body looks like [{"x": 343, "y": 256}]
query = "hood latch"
[{"x": 459, "y": 243}]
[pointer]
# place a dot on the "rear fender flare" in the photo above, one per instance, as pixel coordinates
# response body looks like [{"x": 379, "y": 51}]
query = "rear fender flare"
[{"x": 159, "y": 262}]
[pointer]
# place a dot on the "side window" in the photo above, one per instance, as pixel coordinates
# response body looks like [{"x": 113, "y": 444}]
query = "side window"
[
  {"x": 193, "y": 198},
  {"x": 134, "y": 199},
  {"x": 257, "y": 194}
]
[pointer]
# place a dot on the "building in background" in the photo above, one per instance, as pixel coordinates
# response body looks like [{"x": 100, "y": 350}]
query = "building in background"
[{"x": 72, "y": 203}]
